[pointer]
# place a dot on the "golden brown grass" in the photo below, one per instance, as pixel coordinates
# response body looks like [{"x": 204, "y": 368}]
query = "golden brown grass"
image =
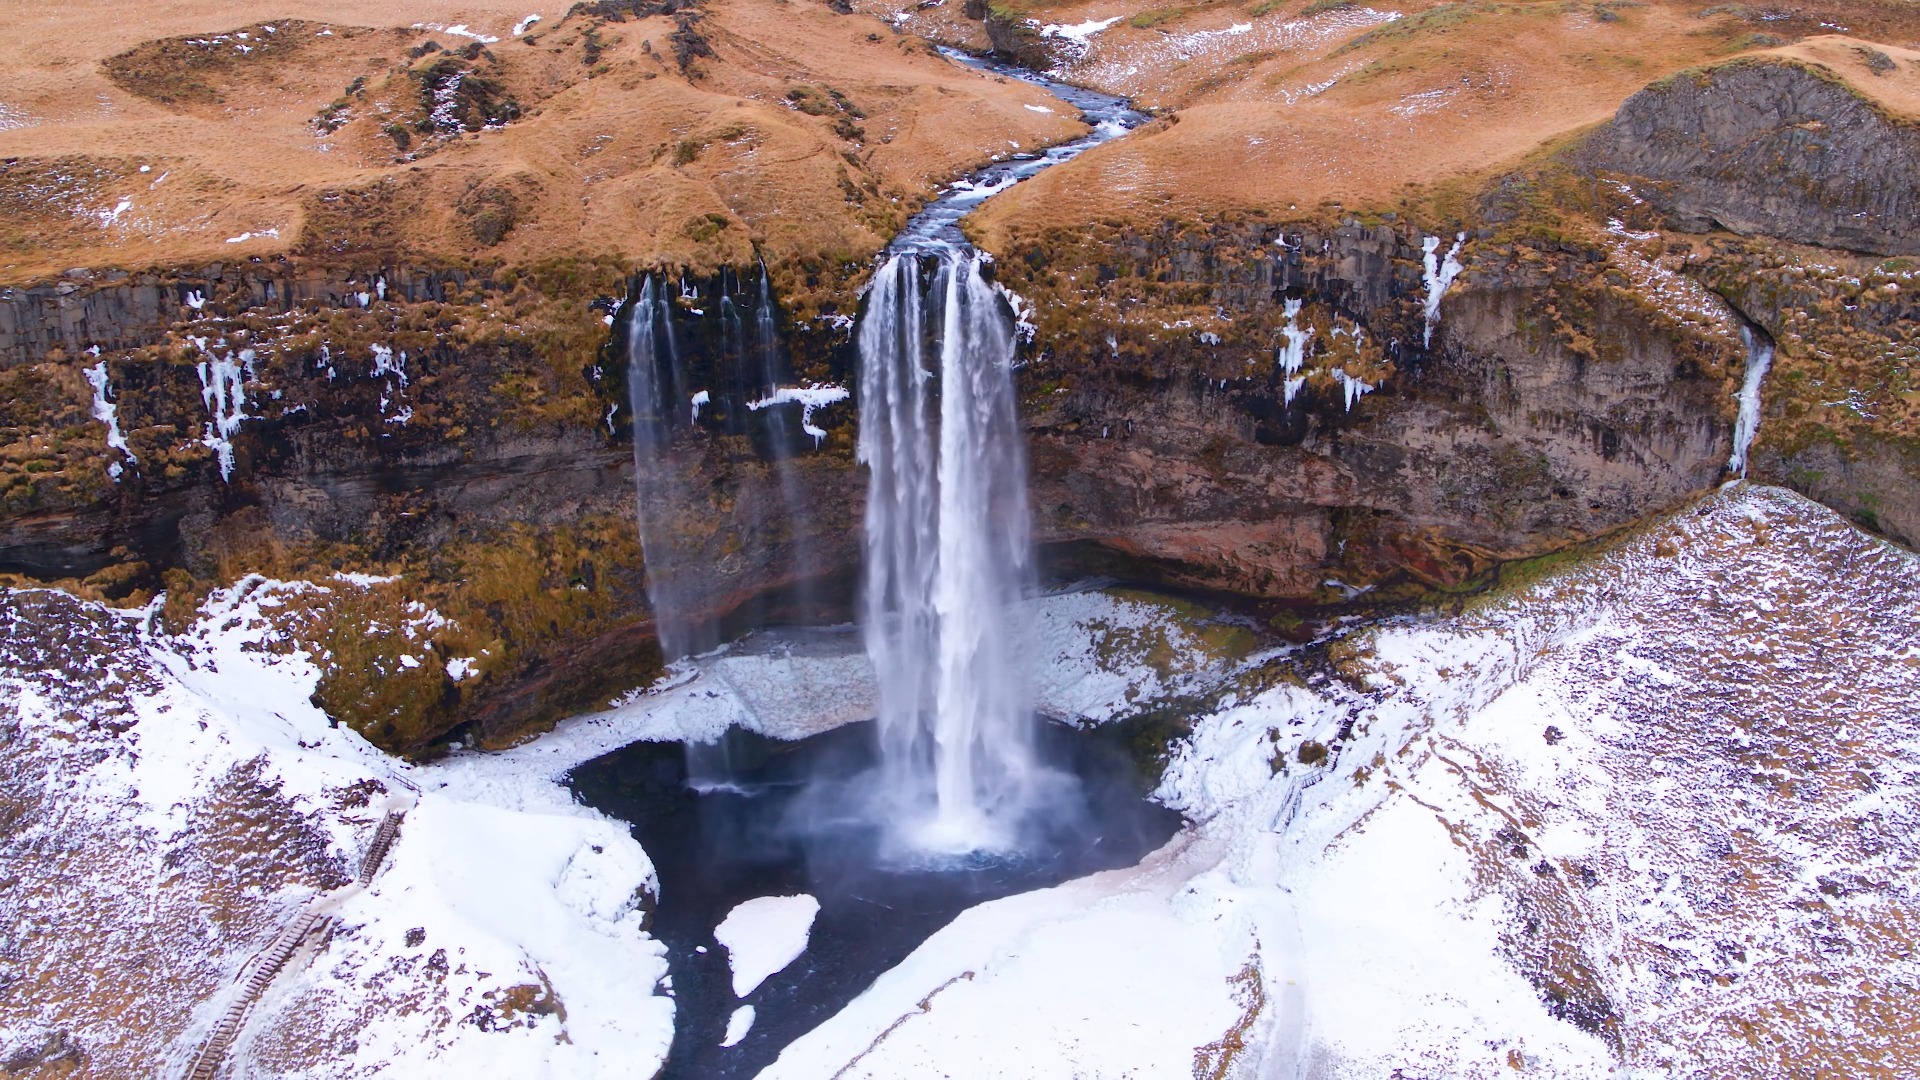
[
  {"x": 618, "y": 150},
  {"x": 1446, "y": 97}
]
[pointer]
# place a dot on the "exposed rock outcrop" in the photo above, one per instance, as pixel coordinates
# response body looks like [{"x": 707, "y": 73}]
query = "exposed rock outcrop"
[
  {"x": 1774, "y": 147},
  {"x": 1550, "y": 408}
]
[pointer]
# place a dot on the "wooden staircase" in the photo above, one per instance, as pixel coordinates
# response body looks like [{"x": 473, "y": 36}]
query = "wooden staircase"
[{"x": 264, "y": 966}]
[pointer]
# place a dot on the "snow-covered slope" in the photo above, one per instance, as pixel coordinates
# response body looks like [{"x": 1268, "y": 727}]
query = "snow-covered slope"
[
  {"x": 1651, "y": 815},
  {"x": 171, "y": 802}
]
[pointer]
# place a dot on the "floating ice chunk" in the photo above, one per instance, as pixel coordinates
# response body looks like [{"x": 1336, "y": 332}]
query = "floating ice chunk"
[
  {"x": 738, "y": 1025},
  {"x": 817, "y": 396},
  {"x": 1439, "y": 277},
  {"x": 763, "y": 936}
]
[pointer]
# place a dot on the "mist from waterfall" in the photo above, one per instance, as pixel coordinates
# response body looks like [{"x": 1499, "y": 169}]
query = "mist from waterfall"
[{"x": 948, "y": 555}]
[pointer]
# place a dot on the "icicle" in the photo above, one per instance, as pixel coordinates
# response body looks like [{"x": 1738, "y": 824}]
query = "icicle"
[
  {"x": 1439, "y": 277},
  {"x": 105, "y": 411}
]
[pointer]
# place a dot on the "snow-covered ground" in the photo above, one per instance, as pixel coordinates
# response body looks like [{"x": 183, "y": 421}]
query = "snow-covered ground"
[
  {"x": 177, "y": 799},
  {"x": 1651, "y": 815}
]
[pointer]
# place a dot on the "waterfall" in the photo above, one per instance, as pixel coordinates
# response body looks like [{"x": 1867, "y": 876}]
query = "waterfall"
[
  {"x": 948, "y": 552},
  {"x": 1747, "y": 422},
  {"x": 658, "y": 394},
  {"x": 783, "y": 425}
]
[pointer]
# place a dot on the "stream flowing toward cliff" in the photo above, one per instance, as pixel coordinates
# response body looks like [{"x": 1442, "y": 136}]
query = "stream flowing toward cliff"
[{"x": 876, "y": 834}]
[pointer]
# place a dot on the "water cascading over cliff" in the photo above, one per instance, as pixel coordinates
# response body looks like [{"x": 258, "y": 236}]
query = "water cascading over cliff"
[
  {"x": 698, "y": 398},
  {"x": 948, "y": 553},
  {"x": 656, "y": 387}
]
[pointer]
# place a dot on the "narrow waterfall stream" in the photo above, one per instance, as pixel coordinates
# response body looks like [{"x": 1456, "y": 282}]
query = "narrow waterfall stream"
[
  {"x": 1746, "y": 423},
  {"x": 955, "y": 793}
]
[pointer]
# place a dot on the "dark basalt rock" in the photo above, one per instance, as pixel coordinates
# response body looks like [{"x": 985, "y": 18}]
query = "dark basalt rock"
[{"x": 1771, "y": 147}]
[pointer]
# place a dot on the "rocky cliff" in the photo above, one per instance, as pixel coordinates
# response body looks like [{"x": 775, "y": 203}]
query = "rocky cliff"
[
  {"x": 1776, "y": 148},
  {"x": 1771, "y": 146},
  {"x": 1256, "y": 407}
]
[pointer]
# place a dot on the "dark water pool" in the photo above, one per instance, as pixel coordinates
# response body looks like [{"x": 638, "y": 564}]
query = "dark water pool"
[{"x": 715, "y": 850}]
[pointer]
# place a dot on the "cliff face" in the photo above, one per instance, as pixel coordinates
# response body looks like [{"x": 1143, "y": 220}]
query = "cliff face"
[
  {"x": 467, "y": 430},
  {"x": 1773, "y": 147},
  {"x": 470, "y": 431},
  {"x": 1789, "y": 154},
  {"x": 1549, "y": 407},
  {"x": 1305, "y": 407}
]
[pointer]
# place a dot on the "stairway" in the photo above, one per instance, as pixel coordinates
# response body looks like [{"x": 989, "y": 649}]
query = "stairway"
[{"x": 264, "y": 966}]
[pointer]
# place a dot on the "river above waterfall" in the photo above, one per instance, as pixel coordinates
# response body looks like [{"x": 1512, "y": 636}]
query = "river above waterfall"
[{"x": 937, "y": 225}]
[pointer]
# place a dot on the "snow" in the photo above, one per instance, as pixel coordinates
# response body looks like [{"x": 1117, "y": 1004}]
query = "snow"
[
  {"x": 700, "y": 397},
  {"x": 1388, "y": 866},
  {"x": 1078, "y": 36},
  {"x": 763, "y": 935},
  {"x": 817, "y": 396},
  {"x": 738, "y": 1025},
  {"x": 541, "y": 901},
  {"x": 1394, "y": 848},
  {"x": 1139, "y": 66},
  {"x": 460, "y": 30},
  {"x": 1438, "y": 276},
  {"x": 524, "y": 25}
]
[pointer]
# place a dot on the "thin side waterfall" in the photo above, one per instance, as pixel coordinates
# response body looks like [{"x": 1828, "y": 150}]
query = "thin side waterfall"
[
  {"x": 948, "y": 553},
  {"x": 784, "y": 427},
  {"x": 1746, "y": 423},
  {"x": 658, "y": 394}
]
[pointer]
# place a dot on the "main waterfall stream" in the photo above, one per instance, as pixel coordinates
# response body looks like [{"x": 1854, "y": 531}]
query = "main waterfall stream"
[{"x": 955, "y": 793}]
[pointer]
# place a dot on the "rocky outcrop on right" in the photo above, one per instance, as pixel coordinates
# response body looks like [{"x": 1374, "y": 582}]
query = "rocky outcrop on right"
[{"x": 1774, "y": 147}]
